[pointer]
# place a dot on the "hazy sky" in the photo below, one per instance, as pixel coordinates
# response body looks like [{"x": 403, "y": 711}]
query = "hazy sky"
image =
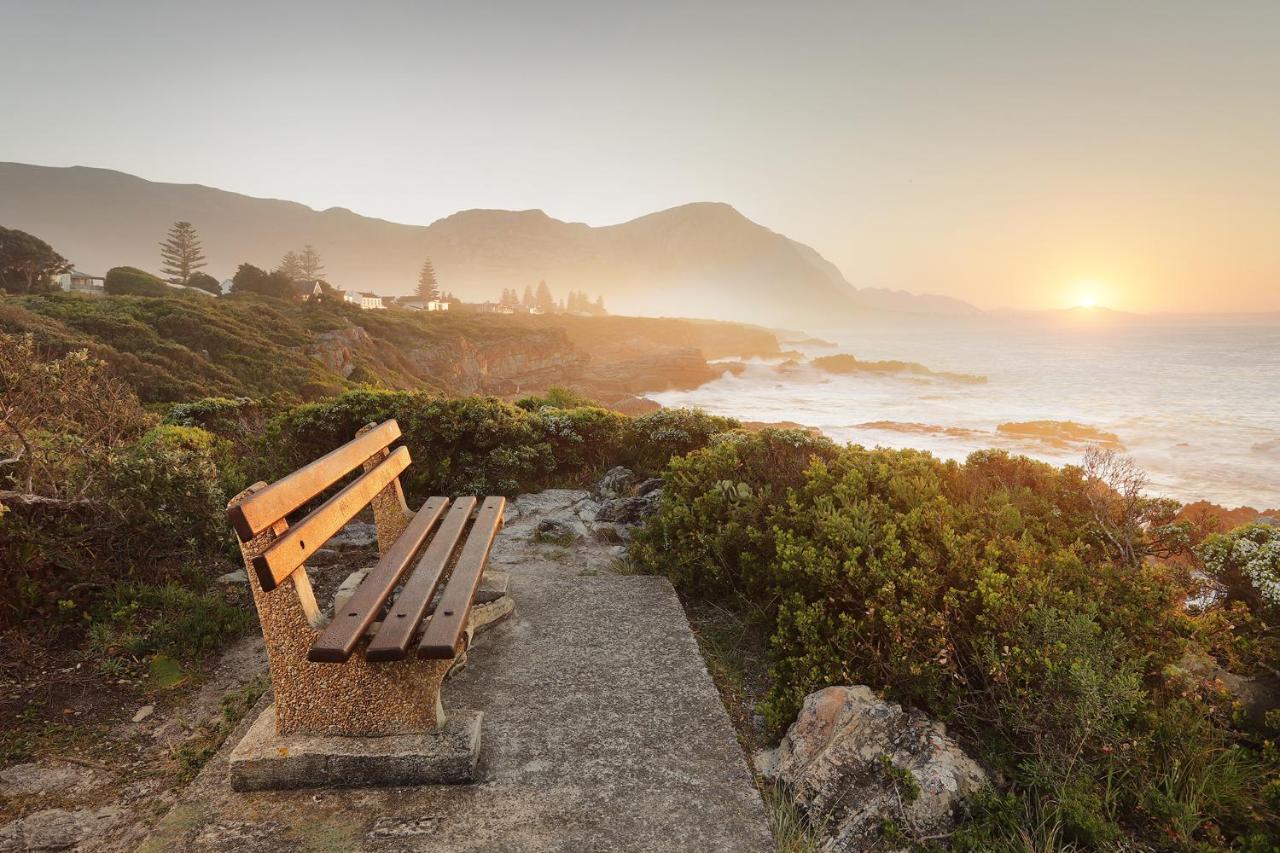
[{"x": 999, "y": 152}]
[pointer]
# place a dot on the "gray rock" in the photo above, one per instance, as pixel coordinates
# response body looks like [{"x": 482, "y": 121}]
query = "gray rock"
[
  {"x": 144, "y": 712},
  {"x": 615, "y": 483},
  {"x": 587, "y": 511},
  {"x": 854, "y": 761},
  {"x": 608, "y": 534},
  {"x": 24, "y": 779},
  {"x": 237, "y": 576},
  {"x": 631, "y": 510},
  {"x": 648, "y": 486},
  {"x": 549, "y": 502},
  {"x": 56, "y": 829},
  {"x": 324, "y": 557},
  {"x": 558, "y": 531},
  {"x": 357, "y": 534}
]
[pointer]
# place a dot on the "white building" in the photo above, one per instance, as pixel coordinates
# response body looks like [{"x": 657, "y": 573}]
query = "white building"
[
  {"x": 81, "y": 282},
  {"x": 429, "y": 305},
  {"x": 370, "y": 301},
  {"x": 308, "y": 290},
  {"x": 227, "y": 286}
]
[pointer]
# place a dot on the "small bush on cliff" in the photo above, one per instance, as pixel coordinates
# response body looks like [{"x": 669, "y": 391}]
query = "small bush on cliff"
[{"x": 990, "y": 593}]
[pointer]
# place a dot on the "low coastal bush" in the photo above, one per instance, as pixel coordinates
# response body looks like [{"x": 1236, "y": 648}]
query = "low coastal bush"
[
  {"x": 93, "y": 490},
  {"x": 1001, "y": 595},
  {"x": 479, "y": 445}
]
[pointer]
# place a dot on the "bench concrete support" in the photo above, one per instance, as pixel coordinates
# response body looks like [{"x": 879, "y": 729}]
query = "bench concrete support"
[{"x": 266, "y": 760}]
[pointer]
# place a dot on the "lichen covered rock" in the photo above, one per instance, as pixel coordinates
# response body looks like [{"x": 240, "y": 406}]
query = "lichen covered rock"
[{"x": 874, "y": 775}]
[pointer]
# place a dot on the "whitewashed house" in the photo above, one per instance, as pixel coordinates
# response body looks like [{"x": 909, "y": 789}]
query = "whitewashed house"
[
  {"x": 371, "y": 301},
  {"x": 81, "y": 282},
  {"x": 425, "y": 305}
]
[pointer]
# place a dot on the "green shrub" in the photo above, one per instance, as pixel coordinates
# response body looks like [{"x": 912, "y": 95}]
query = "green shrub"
[
  {"x": 167, "y": 493},
  {"x": 480, "y": 445},
  {"x": 556, "y": 398},
  {"x": 1246, "y": 562},
  {"x": 984, "y": 594},
  {"x": 131, "y": 281}
]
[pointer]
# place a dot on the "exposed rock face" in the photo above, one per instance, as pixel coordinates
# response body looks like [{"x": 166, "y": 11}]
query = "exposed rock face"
[
  {"x": 336, "y": 348},
  {"x": 532, "y": 362},
  {"x": 858, "y": 762}
]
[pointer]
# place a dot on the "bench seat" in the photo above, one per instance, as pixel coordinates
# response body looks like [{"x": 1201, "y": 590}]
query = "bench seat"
[{"x": 336, "y": 676}]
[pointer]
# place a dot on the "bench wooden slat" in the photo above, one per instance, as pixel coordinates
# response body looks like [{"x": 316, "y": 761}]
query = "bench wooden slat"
[
  {"x": 259, "y": 511},
  {"x": 440, "y": 639},
  {"x": 362, "y": 608},
  {"x": 292, "y": 549},
  {"x": 393, "y": 638}
]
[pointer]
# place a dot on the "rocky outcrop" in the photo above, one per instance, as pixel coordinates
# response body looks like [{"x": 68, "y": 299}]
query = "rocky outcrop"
[
  {"x": 531, "y": 362},
  {"x": 857, "y": 764},
  {"x": 1255, "y": 696},
  {"x": 336, "y": 349}
]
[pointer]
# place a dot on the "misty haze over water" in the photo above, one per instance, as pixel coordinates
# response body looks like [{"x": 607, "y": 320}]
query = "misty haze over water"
[{"x": 1194, "y": 404}]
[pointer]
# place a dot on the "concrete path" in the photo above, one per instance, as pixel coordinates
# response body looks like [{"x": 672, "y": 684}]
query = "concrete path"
[{"x": 602, "y": 731}]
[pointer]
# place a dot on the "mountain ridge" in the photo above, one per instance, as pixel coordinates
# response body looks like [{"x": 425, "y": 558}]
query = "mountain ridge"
[{"x": 699, "y": 259}]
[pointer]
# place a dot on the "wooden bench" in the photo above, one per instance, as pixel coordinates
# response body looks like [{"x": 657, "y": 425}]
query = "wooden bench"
[{"x": 359, "y": 673}]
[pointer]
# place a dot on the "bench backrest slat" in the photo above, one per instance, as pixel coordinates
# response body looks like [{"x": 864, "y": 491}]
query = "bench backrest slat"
[
  {"x": 264, "y": 508},
  {"x": 449, "y": 621},
  {"x": 289, "y": 552},
  {"x": 393, "y": 638},
  {"x": 362, "y": 608}
]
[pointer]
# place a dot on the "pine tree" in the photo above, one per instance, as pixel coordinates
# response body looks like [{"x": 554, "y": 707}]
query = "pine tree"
[
  {"x": 428, "y": 289},
  {"x": 527, "y": 301},
  {"x": 309, "y": 264},
  {"x": 290, "y": 266},
  {"x": 181, "y": 253},
  {"x": 544, "y": 299},
  {"x": 600, "y": 305}
]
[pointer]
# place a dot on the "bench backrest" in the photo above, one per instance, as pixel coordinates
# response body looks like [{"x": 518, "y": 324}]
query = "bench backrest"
[{"x": 267, "y": 507}]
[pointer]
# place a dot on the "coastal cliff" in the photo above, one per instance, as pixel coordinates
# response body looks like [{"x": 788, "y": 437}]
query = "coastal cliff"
[{"x": 181, "y": 348}]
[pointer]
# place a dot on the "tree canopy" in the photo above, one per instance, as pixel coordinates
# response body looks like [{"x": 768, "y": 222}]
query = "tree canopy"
[
  {"x": 251, "y": 279},
  {"x": 181, "y": 253},
  {"x": 428, "y": 287},
  {"x": 131, "y": 281},
  {"x": 27, "y": 263}
]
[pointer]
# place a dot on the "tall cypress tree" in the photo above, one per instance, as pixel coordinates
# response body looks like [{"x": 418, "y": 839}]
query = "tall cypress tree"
[{"x": 181, "y": 253}]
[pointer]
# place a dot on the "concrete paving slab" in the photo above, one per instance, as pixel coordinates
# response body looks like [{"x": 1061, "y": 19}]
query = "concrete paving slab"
[{"x": 602, "y": 731}]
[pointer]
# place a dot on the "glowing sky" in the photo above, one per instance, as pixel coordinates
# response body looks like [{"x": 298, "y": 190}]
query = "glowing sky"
[{"x": 1001, "y": 153}]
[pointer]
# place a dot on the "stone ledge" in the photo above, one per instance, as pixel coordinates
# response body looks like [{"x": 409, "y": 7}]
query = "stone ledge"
[{"x": 264, "y": 760}]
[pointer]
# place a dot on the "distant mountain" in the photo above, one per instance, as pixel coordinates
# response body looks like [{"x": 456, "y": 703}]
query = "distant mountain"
[{"x": 697, "y": 260}]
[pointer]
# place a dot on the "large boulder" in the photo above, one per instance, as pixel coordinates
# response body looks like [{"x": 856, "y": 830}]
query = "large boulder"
[
  {"x": 857, "y": 764},
  {"x": 615, "y": 483},
  {"x": 630, "y": 510}
]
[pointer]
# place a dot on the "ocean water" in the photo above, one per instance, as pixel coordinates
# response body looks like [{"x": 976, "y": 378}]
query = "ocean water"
[{"x": 1198, "y": 406}]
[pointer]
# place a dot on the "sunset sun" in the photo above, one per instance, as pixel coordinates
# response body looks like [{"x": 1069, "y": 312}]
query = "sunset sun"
[{"x": 1088, "y": 293}]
